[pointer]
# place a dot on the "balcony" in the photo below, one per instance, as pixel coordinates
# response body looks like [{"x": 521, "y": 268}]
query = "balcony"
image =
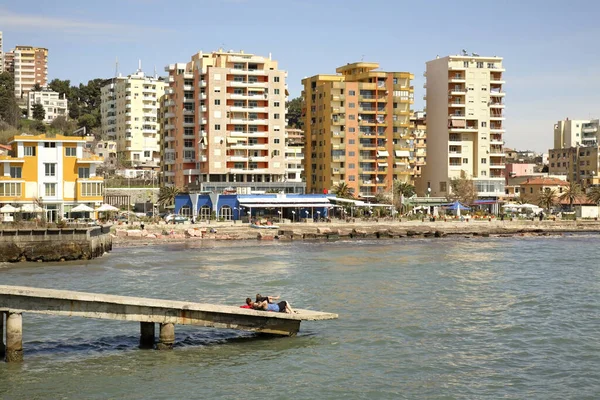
[
  {"x": 202, "y": 96},
  {"x": 457, "y": 78},
  {"x": 189, "y": 124},
  {"x": 249, "y": 96},
  {"x": 202, "y": 83},
  {"x": 457, "y": 90},
  {"x": 246, "y": 109},
  {"x": 188, "y": 99},
  {"x": 456, "y": 104},
  {"x": 248, "y": 84},
  {"x": 239, "y": 71},
  {"x": 188, "y": 112},
  {"x": 248, "y": 134},
  {"x": 496, "y": 116},
  {"x": 249, "y": 121},
  {"x": 589, "y": 129}
]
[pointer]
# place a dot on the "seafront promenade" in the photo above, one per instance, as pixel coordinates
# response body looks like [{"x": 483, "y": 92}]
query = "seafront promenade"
[{"x": 133, "y": 235}]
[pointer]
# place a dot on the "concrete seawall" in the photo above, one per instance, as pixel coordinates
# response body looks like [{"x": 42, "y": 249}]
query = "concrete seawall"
[{"x": 54, "y": 244}]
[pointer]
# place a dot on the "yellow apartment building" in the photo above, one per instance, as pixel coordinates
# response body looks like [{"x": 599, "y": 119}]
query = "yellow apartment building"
[
  {"x": 53, "y": 173},
  {"x": 357, "y": 129}
]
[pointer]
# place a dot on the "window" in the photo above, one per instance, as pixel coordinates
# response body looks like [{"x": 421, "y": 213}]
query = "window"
[
  {"x": 276, "y": 104},
  {"x": 50, "y": 169},
  {"x": 479, "y": 64},
  {"x": 351, "y": 178},
  {"x": 351, "y": 93},
  {"x": 50, "y": 145},
  {"x": 11, "y": 189},
  {"x": 483, "y": 173},
  {"x": 442, "y": 186},
  {"x": 275, "y": 91},
  {"x": 351, "y": 153},
  {"x": 84, "y": 172},
  {"x": 205, "y": 212},
  {"x": 91, "y": 189},
  {"x": 217, "y": 127},
  {"x": 217, "y": 102},
  {"x": 30, "y": 151},
  {"x": 70, "y": 151},
  {"x": 395, "y": 80},
  {"x": 276, "y": 141},
  {"x": 351, "y": 105},
  {"x": 50, "y": 189},
  {"x": 276, "y": 116},
  {"x": 465, "y": 64},
  {"x": 483, "y": 124},
  {"x": 146, "y": 153},
  {"x": 351, "y": 117},
  {"x": 465, "y": 160},
  {"x": 276, "y": 79},
  {"x": 351, "y": 130},
  {"x": 15, "y": 172}
]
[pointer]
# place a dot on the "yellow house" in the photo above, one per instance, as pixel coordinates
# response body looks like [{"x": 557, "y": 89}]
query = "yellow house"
[{"x": 53, "y": 173}]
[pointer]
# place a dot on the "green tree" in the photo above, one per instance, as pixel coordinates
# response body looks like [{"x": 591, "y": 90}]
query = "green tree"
[
  {"x": 462, "y": 189},
  {"x": 572, "y": 192},
  {"x": 38, "y": 126},
  {"x": 63, "y": 125},
  {"x": 294, "y": 113},
  {"x": 343, "y": 190},
  {"x": 90, "y": 121},
  {"x": 9, "y": 110},
  {"x": 594, "y": 195},
  {"x": 547, "y": 199},
  {"x": 37, "y": 87},
  {"x": 63, "y": 88},
  {"x": 166, "y": 195},
  {"x": 38, "y": 112}
]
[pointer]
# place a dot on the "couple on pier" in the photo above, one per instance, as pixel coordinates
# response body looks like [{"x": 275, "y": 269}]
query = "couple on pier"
[{"x": 265, "y": 303}]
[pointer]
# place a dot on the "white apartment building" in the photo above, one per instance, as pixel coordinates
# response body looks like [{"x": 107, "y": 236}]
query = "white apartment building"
[
  {"x": 129, "y": 110},
  {"x": 572, "y": 133},
  {"x": 224, "y": 122},
  {"x": 294, "y": 155},
  {"x": 54, "y": 104},
  {"x": 465, "y": 115}
]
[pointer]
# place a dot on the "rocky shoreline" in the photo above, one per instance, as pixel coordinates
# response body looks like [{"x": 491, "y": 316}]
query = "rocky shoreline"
[{"x": 156, "y": 234}]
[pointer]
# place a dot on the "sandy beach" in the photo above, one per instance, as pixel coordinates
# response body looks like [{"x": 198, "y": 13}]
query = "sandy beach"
[{"x": 153, "y": 234}]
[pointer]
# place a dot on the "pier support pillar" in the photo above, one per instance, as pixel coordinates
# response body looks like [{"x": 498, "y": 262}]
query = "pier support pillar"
[
  {"x": 2, "y": 346},
  {"x": 14, "y": 337},
  {"x": 147, "y": 335},
  {"x": 166, "y": 337}
]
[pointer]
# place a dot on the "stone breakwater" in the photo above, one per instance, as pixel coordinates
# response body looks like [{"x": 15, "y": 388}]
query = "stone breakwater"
[
  {"x": 158, "y": 234},
  {"x": 54, "y": 244}
]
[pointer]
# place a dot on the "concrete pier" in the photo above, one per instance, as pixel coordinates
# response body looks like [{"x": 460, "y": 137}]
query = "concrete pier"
[
  {"x": 18, "y": 299},
  {"x": 147, "y": 335},
  {"x": 166, "y": 338},
  {"x": 14, "y": 337},
  {"x": 2, "y": 345}
]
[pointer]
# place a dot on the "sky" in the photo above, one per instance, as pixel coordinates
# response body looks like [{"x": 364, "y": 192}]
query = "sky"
[{"x": 550, "y": 48}]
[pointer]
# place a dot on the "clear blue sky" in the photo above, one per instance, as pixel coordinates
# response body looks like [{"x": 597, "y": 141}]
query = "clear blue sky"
[{"x": 550, "y": 48}]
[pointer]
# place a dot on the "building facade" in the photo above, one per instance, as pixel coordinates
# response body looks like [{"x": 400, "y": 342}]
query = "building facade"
[
  {"x": 129, "y": 109},
  {"x": 223, "y": 123},
  {"x": 294, "y": 155},
  {"x": 54, "y": 173},
  {"x": 357, "y": 128},
  {"x": 531, "y": 189},
  {"x": 1, "y": 54},
  {"x": 54, "y": 104},
  {"x": 465, "y": 124},
  {"x": 419, "y": 142},
  {"x": 28, "y": 65}
]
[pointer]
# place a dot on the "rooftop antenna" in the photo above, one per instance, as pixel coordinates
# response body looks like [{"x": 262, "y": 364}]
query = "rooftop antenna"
[
  {"x": 116, "y": 66},
  {"x": 362, "y": 58},
  {"x": 139, "y": 65},
  {"x": 155, "y": 75}
]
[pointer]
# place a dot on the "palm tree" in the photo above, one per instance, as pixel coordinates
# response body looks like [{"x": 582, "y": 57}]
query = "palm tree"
[
  {"x": 594, "y": 195},
  {"x": 571, "y": 192},
  {"x": 403, "y": 189},
  {"x": 344, "y": 191},
  {"x": 547, "y": 199},
  {"x": 166, "y": 195}
]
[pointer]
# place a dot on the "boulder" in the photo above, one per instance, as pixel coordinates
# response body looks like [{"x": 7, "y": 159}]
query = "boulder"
[
  {"x": 121, "y": 232},
  {"x": 323, "y": 230},
  {"x": 134, "y": 233}
]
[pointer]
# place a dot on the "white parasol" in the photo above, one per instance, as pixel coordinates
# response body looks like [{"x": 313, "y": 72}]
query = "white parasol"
[
  {"x": 8, "y": 209},
  {"x": 82, "y": 208},
  {"x": 106, "y": 207},
  {"x": 31, "y": 208}
]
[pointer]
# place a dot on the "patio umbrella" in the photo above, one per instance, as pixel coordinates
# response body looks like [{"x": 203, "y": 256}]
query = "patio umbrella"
[
  {"x": 31, "y": 208},
  {"x": 106, "y": 207},
  {"x": 82, "y": 208},
  {"x": 8, "y": 209}
]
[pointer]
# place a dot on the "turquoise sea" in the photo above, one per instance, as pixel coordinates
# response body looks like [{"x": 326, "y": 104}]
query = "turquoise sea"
[{"x": 452, "y": 318}]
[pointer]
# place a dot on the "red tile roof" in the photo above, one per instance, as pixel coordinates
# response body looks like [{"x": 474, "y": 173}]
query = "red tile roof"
[{"x": 545, "y": 181}]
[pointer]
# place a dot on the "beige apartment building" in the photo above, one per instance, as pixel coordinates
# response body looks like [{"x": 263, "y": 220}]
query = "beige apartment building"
[
  {"x": 357, "y": 127},
  {"x": 28, "y": 65},
  {"x": 465, "y": 125},
  {"x": 129, "y": 109},
  {"x": 294, "y": 155},
  {"x": 224, "y": 119},
  {"x": 419, "y": 142}
]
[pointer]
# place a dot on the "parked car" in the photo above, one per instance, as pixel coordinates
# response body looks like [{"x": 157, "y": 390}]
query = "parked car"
[{"x": 176, "y": 219}]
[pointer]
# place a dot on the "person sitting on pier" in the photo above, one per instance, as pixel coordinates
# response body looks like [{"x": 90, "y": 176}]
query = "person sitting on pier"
[
  {"x": 249, "y": 304},
  {"x": 282, "y": 306},
  {"x": 268, "y": 299}
]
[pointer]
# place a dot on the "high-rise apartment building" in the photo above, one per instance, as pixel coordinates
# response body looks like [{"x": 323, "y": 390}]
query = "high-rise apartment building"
[
  {"x": 223, "y": 119},
  {"x": 357, "y": 129},
  {"x": 571, "y": 133},
  {"x": 419, "y": 142},
  {"x": 29, "y": 65},
  {"x": 465, "y": 115},
  {"x": 294, "y": 155},
  {"x": 129, "y": 109}
]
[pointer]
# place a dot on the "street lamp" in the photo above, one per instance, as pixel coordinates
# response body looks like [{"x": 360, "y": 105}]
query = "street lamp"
[
  {"x": 293, "y": 216},
  {"x": 318, "y": 216}
]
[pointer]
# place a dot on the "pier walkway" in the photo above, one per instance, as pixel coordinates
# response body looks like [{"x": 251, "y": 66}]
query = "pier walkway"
[{"x": 16, "y": 300}]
